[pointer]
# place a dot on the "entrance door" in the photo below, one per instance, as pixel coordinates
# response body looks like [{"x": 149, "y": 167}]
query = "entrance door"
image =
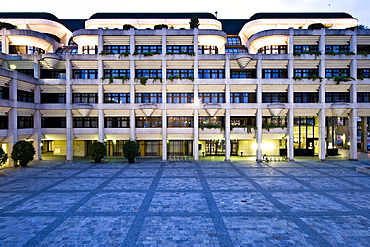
[
  {"x": 310, "y": 146},
  {"x": 215, "y": 147}
]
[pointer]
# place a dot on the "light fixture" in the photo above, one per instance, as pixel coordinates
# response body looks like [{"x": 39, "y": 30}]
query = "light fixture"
[
  {"x": 275, "y": 108},
  {"x": 339, "y": 108},
  {"x": 12, "y": 66}
]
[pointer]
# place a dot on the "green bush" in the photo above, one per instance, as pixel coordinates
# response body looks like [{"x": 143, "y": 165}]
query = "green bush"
[
  {"x": 317, "y": 26},
  {"x": 98, "y": 151},
  {"x": 130, "y": 149},
  {"x": 23, "y": 152},
  {"x": 7, "y": 25},
  {"x": 3, "y": 156}
]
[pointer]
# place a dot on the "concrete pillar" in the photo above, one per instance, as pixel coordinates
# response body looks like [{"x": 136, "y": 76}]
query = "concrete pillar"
[
  {"x": 164, "y": 135},
  {"x": 259, "y": 136},
  {"x": 36, "y": 67},
  {"x": 364, "y": 134},
  {"x": 227, "y": 111},
  {"x": 101, "y": 134},
  {"x": 196, "y": 123},
  {"x": 353, "y": 148},
  {"x": 227, "y": 135},
  {"x": 69, "y": 116},
  {"x": 37, "y": 135},
  {"x": 290, "y": 143},
  {"x": 100, "y": 41},
  {"x": 4, "y": 42},
  {"x": 13, "y": 115},
  {"x": 132, "y": 86},
  {"x": 322, "y": 134}
]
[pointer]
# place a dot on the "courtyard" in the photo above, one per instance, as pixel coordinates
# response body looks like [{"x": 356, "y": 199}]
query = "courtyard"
[{"x": 205, "y": 203}]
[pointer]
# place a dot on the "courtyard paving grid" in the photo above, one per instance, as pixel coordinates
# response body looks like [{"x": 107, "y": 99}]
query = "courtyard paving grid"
[{"x": 149, "y": 203}]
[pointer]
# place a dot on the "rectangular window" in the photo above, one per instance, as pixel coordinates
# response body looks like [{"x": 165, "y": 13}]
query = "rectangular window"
[
  {"x": 363, "y": 72},
  {"x": 306, "y": 48},
  {"x": 274, "y": 97},
  {"x": 90, "y": 49},
  {"x": 212, "y": 97},
  {"x": 53, "y": 98},
  {"x": 53, "y": 122},
  {"x": 25, "y": 96},
  {"x": 363, "y": 97},
  {"x": 53, "y": 74},
  {"x": 306, "y": 72},
  {"x": 232, "y": 41},
  {"x": 242, "y": 97},
  {"x": 85, "y": 98},
  {"x": 155, "y": 98},
  {"x": 273, "y": 49},
  {"x": 150, "y": 73},
  {"x": 337, "y": 48},
  {"x": 180, "y": 98},
  {"x": 148, "y": 48},
  {"x": 25, "y": 122},
  {"x": 117, "y": 49},
  {"x": 204, "y": 121},
  {"x": 274, "y": 73},
  {"x": 24, "y": 49},
  {"x": 148, "y": 122},
  {"x": 4, "y": 122},
  {"x": 180, "y": 122},
  {"x": 333, "y": 97},
  {"x": 117, "y": 72},
  {"x": 211, "y": 74},
  {"x": 243, "y": 74},
  {"x": 361, "y": 48},
  {"x": 4, "y": 93},
  {"x": 242, "y": 121},
  {"x": 180, "y": 73},
  {"x": 306, "y": 97},
  {"x": 85, "y": 122},
  {"x": 277, "y": 121},
  {"x": 117, "y": 122},
  {"x": 336, "y": 72},
  {"x": 26, "y": 71},
  {"x": 117, "y": 98},
  {"x": 203, "y": 49},
  {"x": 179, "y": 48},
  {"x": 85, "y": 74}
]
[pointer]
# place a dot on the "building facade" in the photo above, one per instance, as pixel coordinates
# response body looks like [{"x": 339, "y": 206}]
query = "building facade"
[{"x": 273, "y": 84}]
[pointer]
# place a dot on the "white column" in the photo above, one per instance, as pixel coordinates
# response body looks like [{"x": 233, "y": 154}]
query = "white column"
[
  {"x": 364, "y": 134},
  {"x": 259, "y": 135},
  {"x": 36, "y": 67},
  {"x": 322, "y": 133},
  {"x": 227, "y": 111},
  {"x": 353, "y": 148},
  {"x": 101, "y": 134},
  {"x": 258, "y": 131},
  {"x": 196, "y": 122},
  {"x": 69, "y": 116},
  {"x": 4, "y": 42},
  {"x": 290, "y": 143},
  {"x": 37, "y": 135},
  {"x": 13, "y": 115},
  {"x": 132, "y": 86},
  {"x": 290, "y": 134},
  {"x": 164, "y": 95}
]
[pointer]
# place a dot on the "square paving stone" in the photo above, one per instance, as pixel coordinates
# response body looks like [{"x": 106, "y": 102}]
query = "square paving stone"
[
  {"x": 359, "y": 199},
  {"x": 114, "y": 202},
  {"x": 339, "y": 171},
  {"x": 363, "y": 182},
  {"x": 265, "y": 231},
  {"x": 178, "y": 202},
  {"x": 29, "y": 184},
  {"x": 145, "y": 165},
  {"x": 229, "y": 184},
  {"x": 300, "y": 172},
  {"x": 90, "y": 231},
  {"x": 178, "y": 231},
  {"x": 17, "y": 231},
  {"x": 139, "y": 173},
  {"x": 261, "y": 172},
  {"x": 243, "y": 202},
  {"x": 307, "y": 201},
  {"x": 277, "y": 183},
  {"x": 329, "y": 183},
  {"x": 342, "y": 230},
  {"x": 8, "y": 198},
  {"x": 79, "y": 184},
  {"x": 180, "y": 165},
  {"x": 106, "y": 173},
  {"x": 221, "y": 173},
  {"x": 179, "y": 184},
  {"x": 129, "y": 184},
  {"x": 214, "y": 165},
  {"x": 180, "y": 172},
  {"x": 49, "y": 202},
  {"x": 58, "y": 173}
]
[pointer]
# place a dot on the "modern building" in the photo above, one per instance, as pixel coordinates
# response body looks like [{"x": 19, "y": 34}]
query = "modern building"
[{"x": 273, "y": 84}]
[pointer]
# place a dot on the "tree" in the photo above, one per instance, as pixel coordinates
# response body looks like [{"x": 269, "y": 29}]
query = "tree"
[
  {"x": 23, "y": 151},
  {"x": 7, "y": 25},
  {"x": 194, "y": 22},
  {"x": 130, "y": 150},
  {"x": 98, "y": 151},
  {"x": 3, "y": 156}
]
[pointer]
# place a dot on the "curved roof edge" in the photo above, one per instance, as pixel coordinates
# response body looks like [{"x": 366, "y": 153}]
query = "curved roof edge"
[
  {"x": 27, "y": 15},
  {"x": 300, "y": 15},
  {"x": 203, "y": 15}
]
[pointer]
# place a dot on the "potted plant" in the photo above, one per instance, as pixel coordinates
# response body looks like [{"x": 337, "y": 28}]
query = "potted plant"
[
  {"x": 23, "y": 152},
  {"x": 130, "y": 151},
  {"x": 194, "y": 22},
  {"x": 3, "y": 156},
  {"x": 98, "y": 151}
]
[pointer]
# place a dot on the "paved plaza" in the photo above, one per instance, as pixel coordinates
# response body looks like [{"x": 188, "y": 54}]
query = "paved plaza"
[{"x": 153, "y": 203}]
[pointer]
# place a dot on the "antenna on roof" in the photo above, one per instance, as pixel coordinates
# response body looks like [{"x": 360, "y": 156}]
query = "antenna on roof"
[{"x": 216, "y": 13}]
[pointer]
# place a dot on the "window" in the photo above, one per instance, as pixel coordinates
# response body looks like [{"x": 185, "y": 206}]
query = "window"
[
  {"x": 336, "y": 72},
  {"x": 180, "y": 122},
  {"x": 203, "y": 121},
  {"x": 4, "y": 93},
  {"x": 180, "y": 73},
  {"x": 53, "y": 74},
  {"x": 26, "y": 71},
  {"x": 242, "y": 97},
  {"x": 202, "y": 49},
  {"x": 361, "y": 48},
  {"x": 306, "y": 97},
  {"x": 117, "y": 122},
  {"x": 67, "y": 50},
  {"x": 85, "y": 74},
  {"x": 118, "y": 98},
  {"x": 148, "y": 98},
  {"x": 25, "y": 96},
  {"x": 117, "y": 49},
  {"x": 364, "y": 72},
  {"x": 273, "y": 49},
  {"x": 84, "y": 98},
  {"x": 179, "y": 48},
  {"x": 211, "y": 74},
  {"x": 332, "y": 97},
  {"x": 363, "y": 97},
  {"x": 85, "y": 122},
  {"x": 234, "y": 50},
  {"x": 24, "y": 49},
  {"x": 117, "y": 72},
  {"x": 306, "y": 72},
  {"x": 278, "y": 121},
  {"x": 25, "y": 122},
  {"x": 232, "y": 41},
  {"x": 53, "y": 122},
  {"x": 90, "y": 49},
  {"x": 148, "y": 48},
  {"x": 148, "y": 122},
  {"x": 148, "y": 73},
  {"x": 274, "y": 97},
  {"x": 212, "y": 97},
  {"x": 306, "y": 48},
  {"x": 53, "y": 98},
  {"x": 274, "y": 73},
  {"x": 242, "y": 74},
  {"x": 180, "y": 98},
  {"x": 242, "y": 121},
  {"x": 3, "y": 122},
  {"x": 337, "y": 48}
]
